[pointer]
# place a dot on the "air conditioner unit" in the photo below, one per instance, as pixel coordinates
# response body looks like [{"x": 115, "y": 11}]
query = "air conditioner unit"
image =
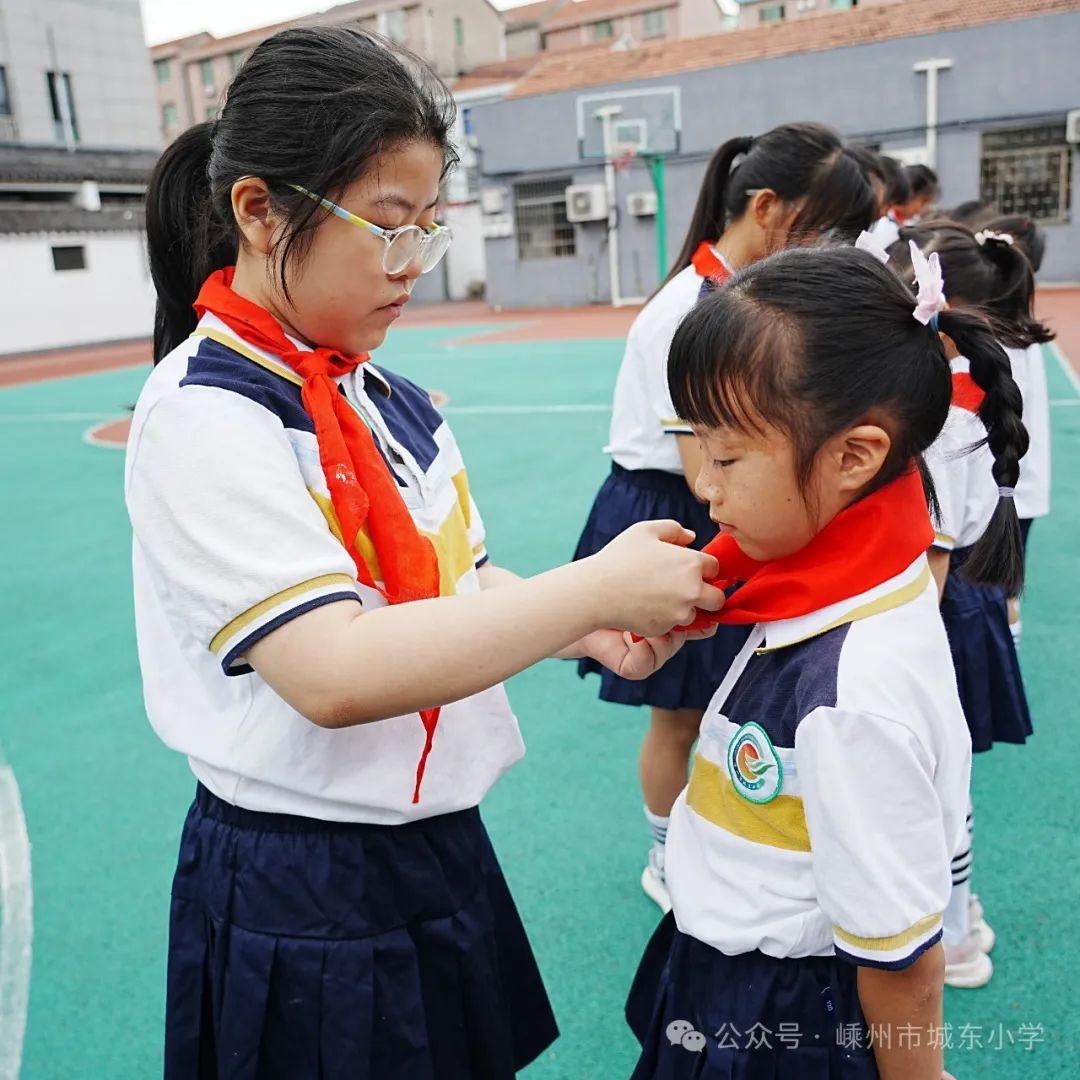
[
  {"x": 586, "y": 202},
  {"x": 641, "y": 203},
  {"x": 1072, "y": 126}
]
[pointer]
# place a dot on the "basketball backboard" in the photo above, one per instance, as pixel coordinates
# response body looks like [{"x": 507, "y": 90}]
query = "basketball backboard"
[{"x": 637, "y": 121}]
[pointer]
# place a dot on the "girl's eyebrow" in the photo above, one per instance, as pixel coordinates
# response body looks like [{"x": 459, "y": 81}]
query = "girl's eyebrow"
[{"x": 401, "y": 203}]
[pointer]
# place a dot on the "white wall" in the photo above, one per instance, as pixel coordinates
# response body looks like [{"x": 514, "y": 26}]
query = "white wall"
[
  {"x": 42, "y": 308},
  {"x": 465, "y": 263}
]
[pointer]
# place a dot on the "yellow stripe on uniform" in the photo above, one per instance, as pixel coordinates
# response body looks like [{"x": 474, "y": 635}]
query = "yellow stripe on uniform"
[
  {"x": 895, "y": 941},
  {"x": 780, "y": 823},
  {"x": 250, "y": 354},
  {"x": 233, "y": 630},
  {"x": 905, "y": 594},
  {"x": 461, "y": 482}
]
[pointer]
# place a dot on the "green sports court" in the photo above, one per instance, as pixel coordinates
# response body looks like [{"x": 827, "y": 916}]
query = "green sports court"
[{"x": 84, "y": 907}]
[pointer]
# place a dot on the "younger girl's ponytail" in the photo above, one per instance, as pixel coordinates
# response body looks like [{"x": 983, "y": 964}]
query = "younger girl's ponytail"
[
  {"x": 710, "y": 213},
  {"x": 184, "y": 243},
  {"x": 998, "y": 556}
]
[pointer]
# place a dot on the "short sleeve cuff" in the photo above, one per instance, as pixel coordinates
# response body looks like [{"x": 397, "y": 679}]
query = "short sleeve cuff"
[
  {"x": 890, "y": 953},
  {"x": 944, "y": 542},
  {"x": 677, "y": 427},
  {"x": 232, "y": 642}
]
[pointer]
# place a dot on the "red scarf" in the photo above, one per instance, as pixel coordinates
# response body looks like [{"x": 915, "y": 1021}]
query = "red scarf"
[
  {"x": 356, "y": 473},
  {"x": 966, "y": 392},
  {"x": 866, "y": 544},
  {"x": 709, "y": 265}
]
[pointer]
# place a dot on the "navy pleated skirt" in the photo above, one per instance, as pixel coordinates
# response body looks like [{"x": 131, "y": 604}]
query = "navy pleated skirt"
[
  {"x": 311, "y": 950},
  {"x": 988, "y": 675},
  {"x": 701, "y": 1014},
  {"x": 691, "y": 677}
]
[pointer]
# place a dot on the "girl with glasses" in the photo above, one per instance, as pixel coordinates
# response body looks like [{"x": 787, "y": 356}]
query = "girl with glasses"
[{"x": 320, "y": 630}]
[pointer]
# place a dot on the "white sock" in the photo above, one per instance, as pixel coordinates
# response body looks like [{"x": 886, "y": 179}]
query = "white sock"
[
  {"x": 957, "y": 916},
  {"x": 658, "y": 826}
]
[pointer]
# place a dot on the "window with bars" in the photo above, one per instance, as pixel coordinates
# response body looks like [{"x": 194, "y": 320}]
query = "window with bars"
[
  {"x": 163, "y": 70},
  {"x": 602, "y": 30},
  {"x": 1028, "y": 171},
  {"x": 540, "y": 220},
  {"x": 772, "y": 13}
]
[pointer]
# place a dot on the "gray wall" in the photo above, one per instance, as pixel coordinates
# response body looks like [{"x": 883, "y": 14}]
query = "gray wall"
[
  {"x": 101, "y": 44},
  {"x": 1000, "y": 70}
]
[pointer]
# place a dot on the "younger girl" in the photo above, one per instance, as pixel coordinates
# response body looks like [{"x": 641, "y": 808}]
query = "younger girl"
[
  {"x": 808, "y": 858},
  {"x": 759, "y": 195},
  {"x": 312, "y": 584}
]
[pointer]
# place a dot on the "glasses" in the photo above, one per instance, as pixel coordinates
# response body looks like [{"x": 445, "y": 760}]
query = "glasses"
[{"x": 403, "y": 246}]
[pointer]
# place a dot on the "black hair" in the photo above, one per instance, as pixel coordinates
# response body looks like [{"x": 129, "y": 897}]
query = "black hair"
[
  {"x": 923, "y": 181},
  {"x": 313, "y": 106},
  {"x": 1030, "y": 238},
  {"x": 797, "y": 161},
  {"x": 987, "y": 270},
  {"x": 869, "y": 161},
  {"x": 973, "y": 213},
  {"x": 814, "y": 341},
  {"x": 897, "y": 188}
]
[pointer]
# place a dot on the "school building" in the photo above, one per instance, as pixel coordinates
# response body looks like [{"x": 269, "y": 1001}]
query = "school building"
[
  {"x": 78, "y": 138},
  {"x": 984, "y": 90}
]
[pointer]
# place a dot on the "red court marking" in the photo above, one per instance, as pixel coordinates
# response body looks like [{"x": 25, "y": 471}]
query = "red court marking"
[
  {"x": 64, "y": 363},
  {"x": 1061, "y": 310},
  {"x": 560, "y": 324},
  {"x": 113, "y": 433}
]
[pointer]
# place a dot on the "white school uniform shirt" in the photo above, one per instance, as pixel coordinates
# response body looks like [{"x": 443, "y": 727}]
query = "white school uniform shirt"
[
  {"x": 1033, "y": 487},
  {"x": 967, "y": 492},
  {"x": 643, "y": 420},
  {"x": 830, "y": 786},
  {"x": 234, "y": 535},
  {"x": 886, "y": 229}
]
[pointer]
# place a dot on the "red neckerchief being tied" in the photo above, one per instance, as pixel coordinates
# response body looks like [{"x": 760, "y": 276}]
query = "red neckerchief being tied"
[
  {"x": 363, "y": 492},
  {"x": 709, "y": 265},
  {"x": 966, "y": 392},
  {"x": 865, "y": 545}
]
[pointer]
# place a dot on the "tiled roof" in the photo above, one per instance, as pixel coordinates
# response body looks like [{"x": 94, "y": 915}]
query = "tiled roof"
[
  {"x": 588, "y": 11},
  {"x": 528, "y": 14},
  {"x": 48, "y": 165},
  {"x": 834, "y": 30},
  {"x": 504, "y": 71},
  {"x": 20, "y": 219}
]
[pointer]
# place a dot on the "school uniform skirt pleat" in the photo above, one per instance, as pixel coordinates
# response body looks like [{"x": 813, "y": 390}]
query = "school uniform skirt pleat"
[
  {"x": 691, "y": 677},
  {"x": 757, "y": 1017},
  {"x": 988, "y": 675},
  {"x": 312, "y": 950}
]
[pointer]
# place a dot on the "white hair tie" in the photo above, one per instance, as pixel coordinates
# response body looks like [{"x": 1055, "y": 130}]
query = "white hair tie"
[
  {"x": 985, "y": 236},
  {"x": 928, "y": 276},
  {"x": 872, "y": 244},
  {"x": 1006, "y": 492}
]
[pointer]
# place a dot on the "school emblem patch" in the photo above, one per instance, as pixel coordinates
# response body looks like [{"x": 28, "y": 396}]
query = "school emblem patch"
[{"x": 754, "y": 765}]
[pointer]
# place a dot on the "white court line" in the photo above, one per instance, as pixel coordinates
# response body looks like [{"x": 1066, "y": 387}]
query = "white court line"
[
  {"x": 1067, "y": 369},
  {"x": 1061, "y": 403},
  {"x": 16, "y": 924},
  {"x": 520, "y": 410}
]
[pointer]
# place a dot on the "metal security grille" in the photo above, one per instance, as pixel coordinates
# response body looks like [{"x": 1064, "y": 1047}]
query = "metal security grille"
[
  {"x": 540, "y": 220},
  {"x": 1028, "y": 171}
]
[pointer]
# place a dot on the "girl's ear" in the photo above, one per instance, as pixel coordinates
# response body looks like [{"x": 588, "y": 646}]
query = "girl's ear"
[
  {"x": 765, "y": 208},
  {"x": 857, "y": 456},
  {"x": 255, "y": 217}
]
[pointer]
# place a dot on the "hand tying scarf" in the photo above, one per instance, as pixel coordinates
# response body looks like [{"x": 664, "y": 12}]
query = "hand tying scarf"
[
  {"x": 362, "y": 489},
  {"x": 865, "y": 545}
]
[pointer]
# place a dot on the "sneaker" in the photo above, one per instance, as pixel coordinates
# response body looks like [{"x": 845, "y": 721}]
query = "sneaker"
[
  {"x": 966, "y": 965},
  {"x": 979, "y": 926},
  {"x": 652, "y": 881}
]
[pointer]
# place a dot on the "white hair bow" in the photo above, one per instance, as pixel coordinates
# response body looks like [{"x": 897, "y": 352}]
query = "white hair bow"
[
  {"x": 931, "y": 296},
  {"x": 870, "y": 243}
]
